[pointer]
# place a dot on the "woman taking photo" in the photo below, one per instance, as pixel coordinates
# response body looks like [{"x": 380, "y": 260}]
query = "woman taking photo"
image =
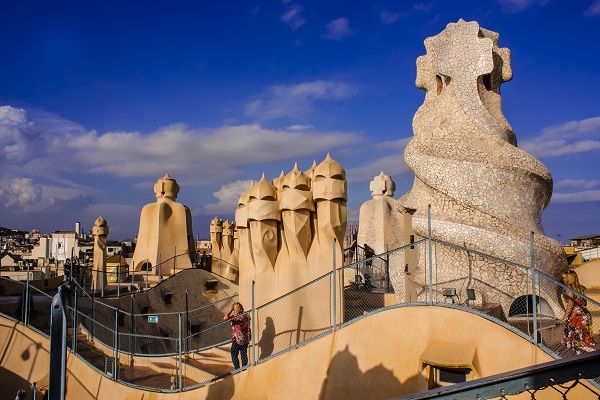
[
  {"x": 577, "y": 318},
  {"x": 240, "y": 334}
]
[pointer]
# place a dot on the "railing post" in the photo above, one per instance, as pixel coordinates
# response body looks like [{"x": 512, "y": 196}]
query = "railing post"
[
  {"x": 116, "y": 350},
  {"x": 119, "y": 281},
  {"x": 158, "y": 269},
  {"x": 132, "y": 328},
  {"x": 71, "y": 266},
  {"x": 333, "y": 290},
  {"x": 387, "y": 269},
  {"x": 26, "y": 301},
  {"x": 180, "y": 352},
  {"x": 253, "y": 326},
  {"x": 429, "y": 243},
  {"x": 74, "y": 345},
  {"x": 58, "y": 345},
  {"x": 102, "y": 280},
  {"x": 93, "y": 312},
  {"x": 533, "y": 295}
]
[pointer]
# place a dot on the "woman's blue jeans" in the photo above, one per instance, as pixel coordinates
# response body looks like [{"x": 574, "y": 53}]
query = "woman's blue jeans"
[{"x": 242, "y": 350}]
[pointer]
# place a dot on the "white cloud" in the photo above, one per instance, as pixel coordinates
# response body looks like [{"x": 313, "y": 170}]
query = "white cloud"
[
  {"x": 392, "y": 165},
  {"x": 35, "y": 162},
  {"x": 296, "y": 100},
  {"x": 228, "y": 196},
  {"x": 13, "y": 131},
  {"x": 388, "y": 17},
  {"x": 578, "y": 183},
  {"x": 338, "y": 29},
  {"x": 196, "y": 155},
  {"x": 593, "y": 9},
  {"x": 299, "y": 127},
  {"x": 423, "y": 6},
  {"x": 576, "y": 197},
  {"x": 20, "y": 192},
  {"x": 199, "y": 156},
  {"x": 515, "y": 6},
  {"x": 56, "y": 153},
  {"x": 572, "y": 137},
  {"x": 292, "y": 16},
  {"x": 394, "y": 144}
]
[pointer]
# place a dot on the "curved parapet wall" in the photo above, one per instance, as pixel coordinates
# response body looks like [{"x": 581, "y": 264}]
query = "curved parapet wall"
[
  {"x": 485, "y": 193},
  {"x": 380, "y": 356}
]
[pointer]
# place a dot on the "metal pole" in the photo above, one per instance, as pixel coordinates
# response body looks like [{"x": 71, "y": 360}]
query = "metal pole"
[
  {"x": 159, "y": 269},
  {"x": 187, "y": 319},
  {"x": 74, "y": 345},
  {"x": 333, "y": 290},
  {"x": 253, "y": 327},
  {"x": 119, "y": 281},
  {"x": 174, "y": 259},
  {"x": 102, "y": 278},
  {"x": 58, "y": 345},
  {"x": 84, "y": 274},
  {"x": 387, "y": 269},
  {"x": 93, "y": 311},
  {"x": 26, "y": 305},
  {"x": 71, "y": 264},
  {"x": 116, "y": 350},
  {"x": 131, "y": 328},
  {"x": 179, "y": 353},
  {"x": 429, "y": 242},
  {"x": 533, "y": 295}
]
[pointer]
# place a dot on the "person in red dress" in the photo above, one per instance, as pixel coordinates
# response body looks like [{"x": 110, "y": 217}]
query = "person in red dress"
[
  {"x": 240, "y": 334},
  {"x": 577, "y": 318}
]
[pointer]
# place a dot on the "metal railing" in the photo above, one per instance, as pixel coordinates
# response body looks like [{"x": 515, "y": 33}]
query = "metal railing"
[
  {"x": 566, "y": 379},
  {"x": 180, "y": 356}
]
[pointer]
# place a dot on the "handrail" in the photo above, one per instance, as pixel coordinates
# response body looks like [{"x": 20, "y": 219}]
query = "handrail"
[{"x": 513, "y": 382}]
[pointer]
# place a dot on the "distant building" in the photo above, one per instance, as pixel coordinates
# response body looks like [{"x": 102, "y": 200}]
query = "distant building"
[
  {"x": 41, "y": 251},
  {"x": 63, "y": 245},
  {"x": 203, "y": 245},
  {"x": 586, "y": 241},
  {"x": 8, "y": 260}
]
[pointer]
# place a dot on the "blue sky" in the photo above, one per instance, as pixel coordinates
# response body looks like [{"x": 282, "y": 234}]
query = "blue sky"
[{"x": 100, "y": 98}]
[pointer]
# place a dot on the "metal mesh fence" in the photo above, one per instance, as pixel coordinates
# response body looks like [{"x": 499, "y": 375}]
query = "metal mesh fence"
[
  {"x": 575, "y": 327},
  {"x": 12, "y": 300},
  {"x": 37, "y": 313},
  {"x": 207, "y": 354},
  {"x": 296, "y": 317},
  {"x": 160, "y": 366}
]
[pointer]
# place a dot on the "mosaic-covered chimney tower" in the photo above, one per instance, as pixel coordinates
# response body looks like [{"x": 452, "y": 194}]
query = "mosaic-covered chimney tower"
[{"x": 485, "y": 192}]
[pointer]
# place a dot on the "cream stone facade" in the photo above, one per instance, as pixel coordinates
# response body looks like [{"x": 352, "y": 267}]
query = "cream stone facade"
[{"x": 165, "y": 233}]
